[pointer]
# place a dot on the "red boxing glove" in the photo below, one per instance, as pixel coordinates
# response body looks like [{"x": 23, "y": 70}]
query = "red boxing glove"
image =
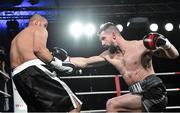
[{"x": 156, "y": 40}]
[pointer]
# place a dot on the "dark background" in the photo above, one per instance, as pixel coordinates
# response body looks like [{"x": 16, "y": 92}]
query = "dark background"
[{"x": 61, "y": 13}]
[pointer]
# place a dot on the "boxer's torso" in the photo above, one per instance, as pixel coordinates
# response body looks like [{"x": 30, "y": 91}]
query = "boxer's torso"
[
  {"x": 134, "y": 62},
  {"x": 22, "y": 47}
]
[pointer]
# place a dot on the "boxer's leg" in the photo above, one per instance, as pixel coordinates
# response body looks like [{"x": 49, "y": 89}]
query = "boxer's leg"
[{"x": 126, "y": 102}]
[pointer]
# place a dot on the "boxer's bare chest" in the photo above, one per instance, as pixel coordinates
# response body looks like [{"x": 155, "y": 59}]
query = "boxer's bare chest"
[
  {"x": 131, "y": 63},
  {"x": 129, "y": 59}
]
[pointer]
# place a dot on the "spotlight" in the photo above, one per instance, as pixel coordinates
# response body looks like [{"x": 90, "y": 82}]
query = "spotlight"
[
  {"x": 169, "y": 27},
  {"x": 120, "y": 27},
  {"x": 76, "y": 29},
  {"x": 89, "y": 29},
  {"x": 128, "y": 23},
  {"x": 153, "y": 27}
]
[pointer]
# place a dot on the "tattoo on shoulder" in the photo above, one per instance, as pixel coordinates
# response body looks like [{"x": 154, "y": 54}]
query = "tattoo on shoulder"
[{"x": 146, "y": 58}]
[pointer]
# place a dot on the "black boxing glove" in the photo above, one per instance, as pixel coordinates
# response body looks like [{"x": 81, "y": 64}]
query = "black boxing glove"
[
  {"x": 156, "y": 40},
  {"x": 60, "y": 53}
]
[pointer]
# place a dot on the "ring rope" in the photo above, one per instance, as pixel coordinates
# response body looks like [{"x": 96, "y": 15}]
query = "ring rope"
[
  {"x": 6, "y": 94},
  {"x": 103, "y": 110},
  {"x": 113, "y": 92},
  {"x": 4, "y": 74},
  {"x": 110, "y": 76},
  {"x": 172, "y": 107},
  {"x": 93, "y": 111}
]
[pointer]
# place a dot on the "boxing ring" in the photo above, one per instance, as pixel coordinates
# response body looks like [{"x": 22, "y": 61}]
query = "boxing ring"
[
  {"x": 118, "y": 90},
  {"x": 4, "y": 96},
  {"x": 20, "y": 106}
]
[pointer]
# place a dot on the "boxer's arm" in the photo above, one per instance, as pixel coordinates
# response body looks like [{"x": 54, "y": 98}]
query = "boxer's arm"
[
  {"x": 83, "y": 62},
  {"x": 40, "y": 50},
  {"x": 160, "y": 46},
  {"x": 39, "y": 47},
  {"x": 171, "y": 53}
]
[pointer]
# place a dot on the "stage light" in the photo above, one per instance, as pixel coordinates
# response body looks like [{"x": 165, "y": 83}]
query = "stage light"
[
  {"x": 76, "y": 29},
  {"x": 153, "y": 27},
  {"x": 128, "y": 23},
  {"x": 89, "y": 29},
  {"x": 169, "y": 27},
  {"x": 120, "y": 27}
]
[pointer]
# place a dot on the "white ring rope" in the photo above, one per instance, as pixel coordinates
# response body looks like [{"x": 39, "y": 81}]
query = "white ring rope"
[
  {"x": 110, "y": 76},
  {"x": 93, "y": 111},
  {"x": 172, "y": 107},
  {"x": 6, "y": 94},
  {"x": 5, "y": 75},
  {"x": 90, "y": 76},
  {"x": 103, "y": 110},
  {"x": 112, "y": 92}
]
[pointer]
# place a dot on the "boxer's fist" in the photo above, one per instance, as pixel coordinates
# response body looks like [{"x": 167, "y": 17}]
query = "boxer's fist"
[
  {"x": 60, "y": 53},
  {"x": 69, "y": 64},
  {"x": 61, "y": 66},
  {"x": 156, "y": 40}
]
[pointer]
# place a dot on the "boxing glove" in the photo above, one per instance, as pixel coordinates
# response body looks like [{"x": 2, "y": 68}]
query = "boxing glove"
[
  {"x": 61, "y": 66},
  {"x": 155, "y": 40},
  {"x": 60, "y": 53}
]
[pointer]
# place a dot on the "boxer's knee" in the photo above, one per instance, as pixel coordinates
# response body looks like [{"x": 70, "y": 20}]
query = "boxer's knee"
[
  {"x": 115, "y": 105},
  {"x": 110, "y": 105}
]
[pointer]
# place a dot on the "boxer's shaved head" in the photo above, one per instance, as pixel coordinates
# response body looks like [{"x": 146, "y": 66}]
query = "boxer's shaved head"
[
  {"x": 37, "y": 17},
  {"x": 38, "y": 20},
  {"x": 109, "y": 27}
]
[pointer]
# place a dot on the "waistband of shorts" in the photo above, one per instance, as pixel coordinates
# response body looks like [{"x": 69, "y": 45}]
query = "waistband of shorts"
[
  {"x": 26, "y": 65},
  {"x": 149, "y": 82}
]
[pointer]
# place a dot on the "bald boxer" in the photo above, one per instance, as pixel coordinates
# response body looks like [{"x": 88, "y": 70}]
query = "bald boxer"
[
  {"x": 133, "y": 60},
  {"x": 39, "y": 86}
]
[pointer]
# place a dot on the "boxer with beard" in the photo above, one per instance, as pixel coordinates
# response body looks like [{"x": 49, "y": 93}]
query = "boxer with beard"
[{"x": 133, "y": 60}]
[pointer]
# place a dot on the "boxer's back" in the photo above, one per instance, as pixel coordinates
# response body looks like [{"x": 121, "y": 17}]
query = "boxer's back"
[{"x": 22, "y": 47}]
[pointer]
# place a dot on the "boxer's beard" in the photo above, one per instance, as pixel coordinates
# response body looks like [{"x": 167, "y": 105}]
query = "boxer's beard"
[{"x": 112, "y": 48}]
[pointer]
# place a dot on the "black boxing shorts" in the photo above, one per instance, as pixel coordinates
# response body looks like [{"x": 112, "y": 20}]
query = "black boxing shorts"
[
  {"x": 153, "y": 92},
  {"x": 41, "y": 90}
]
